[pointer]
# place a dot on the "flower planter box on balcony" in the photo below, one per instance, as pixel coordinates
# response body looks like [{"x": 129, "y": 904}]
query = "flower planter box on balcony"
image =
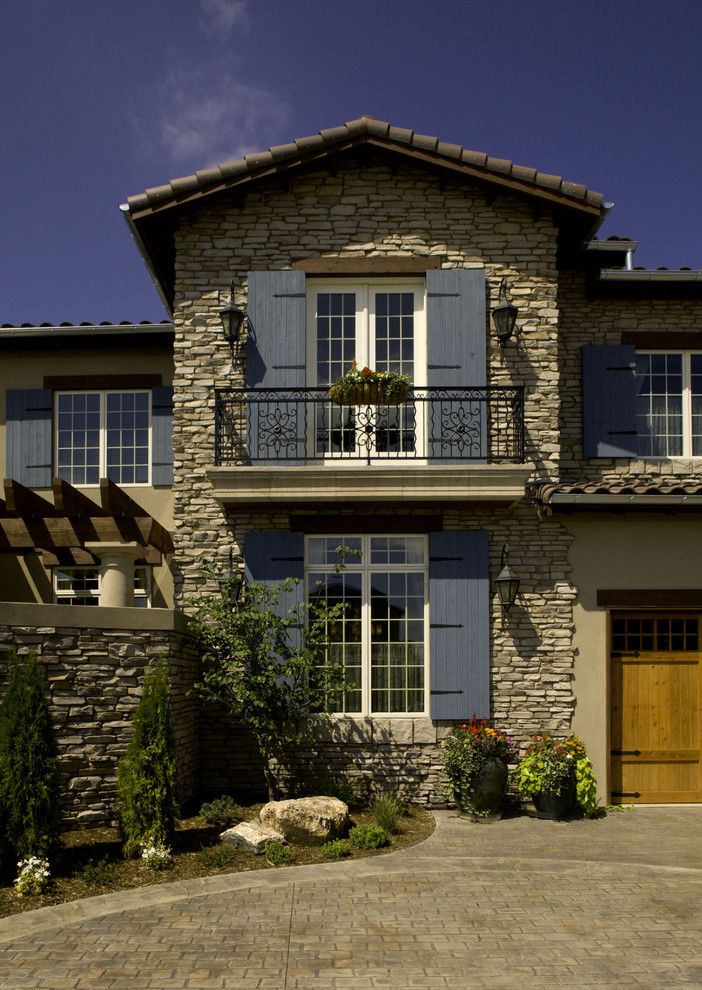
[{"x": 368, "y": 394}]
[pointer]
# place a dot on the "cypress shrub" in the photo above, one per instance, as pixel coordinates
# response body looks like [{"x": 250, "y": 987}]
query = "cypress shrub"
[
  {"x": 146, "y": 774},
  {"x": 29, "y": 793}
]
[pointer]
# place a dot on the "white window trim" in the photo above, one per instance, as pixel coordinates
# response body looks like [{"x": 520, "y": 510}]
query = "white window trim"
[
  {"x": 365, "y": 569},
  {"x": 65, "y": 598},
  {"x": 102, "y": 467},
  {"x": 686, "y": 406}
]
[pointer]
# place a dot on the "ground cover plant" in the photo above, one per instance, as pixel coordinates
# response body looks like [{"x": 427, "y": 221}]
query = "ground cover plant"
[{"x": 91, "y": 861}]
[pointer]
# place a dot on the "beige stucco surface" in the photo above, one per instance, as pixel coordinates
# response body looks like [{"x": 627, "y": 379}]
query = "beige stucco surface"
[
  {"x": 24, "y": 580},
  {"x": 652, "y": 552}
]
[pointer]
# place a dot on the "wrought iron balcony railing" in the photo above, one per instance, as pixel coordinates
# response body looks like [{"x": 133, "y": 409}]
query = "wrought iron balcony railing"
[{"x": 299, "y": 425}]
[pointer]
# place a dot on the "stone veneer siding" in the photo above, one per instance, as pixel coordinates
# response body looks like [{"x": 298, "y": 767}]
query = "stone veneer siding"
[
  {"x": 588, "y": 319},
  {"x": 95, "y": 678},
  {"x": 371, "y": 208}
]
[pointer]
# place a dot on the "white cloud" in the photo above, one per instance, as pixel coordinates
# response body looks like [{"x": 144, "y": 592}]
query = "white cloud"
[
  {"x": 200, "y": 122},
  {"x": 219, "y": 17}
]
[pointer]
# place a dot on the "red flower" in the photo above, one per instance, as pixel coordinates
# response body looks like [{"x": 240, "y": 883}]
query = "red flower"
[{"x": 366, "y": 372}]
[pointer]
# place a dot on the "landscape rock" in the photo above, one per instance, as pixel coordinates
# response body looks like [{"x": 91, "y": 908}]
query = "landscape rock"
[
  {"x": 251, "y": 837},
  {"x": 310, "y": 821}
]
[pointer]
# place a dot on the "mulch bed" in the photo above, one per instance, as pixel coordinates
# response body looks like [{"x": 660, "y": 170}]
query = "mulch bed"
[{"x": 90, "y": 861}]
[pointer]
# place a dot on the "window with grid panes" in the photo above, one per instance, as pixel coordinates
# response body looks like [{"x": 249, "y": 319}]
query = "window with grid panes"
[
  {"x": 81, "y": 586},
  {"x": 669, "y": 404},
  {"x": 103, "y": 435},
  {"x": 381, "y": 641},
  {"x": 380, "y": 325}
]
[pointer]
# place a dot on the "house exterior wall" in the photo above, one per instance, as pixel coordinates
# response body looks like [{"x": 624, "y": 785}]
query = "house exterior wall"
[
  {"x": 95, "y": 660},
  {"x": 24, "y": 579},
  {"x": 373, "y": 208}
]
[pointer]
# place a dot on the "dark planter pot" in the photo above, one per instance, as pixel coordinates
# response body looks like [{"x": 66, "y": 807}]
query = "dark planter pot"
[
  {"x": 555, "y": 807},
  {"x": 484, "y": 801}
]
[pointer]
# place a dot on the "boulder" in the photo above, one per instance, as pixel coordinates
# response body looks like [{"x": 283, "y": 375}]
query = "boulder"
[
  {"x": 309, "y": 821},
  {"x": 251, "y": 837}
]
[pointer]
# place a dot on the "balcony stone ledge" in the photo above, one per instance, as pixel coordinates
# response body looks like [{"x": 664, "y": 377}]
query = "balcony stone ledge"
[{"x": 330, "y": 483}]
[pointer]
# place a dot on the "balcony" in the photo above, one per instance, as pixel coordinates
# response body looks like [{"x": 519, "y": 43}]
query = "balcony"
[{"x": 294, "y": 445}]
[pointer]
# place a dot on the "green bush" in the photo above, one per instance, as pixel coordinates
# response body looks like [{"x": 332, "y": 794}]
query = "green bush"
[
  {"x": 337, "y": 786},
  {"x": 218, "y": 857},
  {"x": 388, "y": 809},
  {"x": 336, "y": 849},
  {"x": 146, "y": 774},
  {"x": 99, "y": 872},
  {"x": 29, "y": 801},
  {"x": 369, "y": 836},
  {"x": 221, "y": 811},
  {"x": 278, "y": 854}
]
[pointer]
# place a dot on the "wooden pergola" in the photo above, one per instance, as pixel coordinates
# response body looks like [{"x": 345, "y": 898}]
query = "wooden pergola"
[{"x": 59, "y": 530}]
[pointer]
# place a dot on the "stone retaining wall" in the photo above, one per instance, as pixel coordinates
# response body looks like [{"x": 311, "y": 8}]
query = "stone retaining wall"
[{"x": 95, "y": 677}]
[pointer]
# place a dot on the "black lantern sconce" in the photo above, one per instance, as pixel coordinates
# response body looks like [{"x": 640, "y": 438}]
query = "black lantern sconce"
[
  {"x": 506, "y": 582},
  {"x": 232, "y": 320},
  {"x": 231, "y": 581},
  {"x": 504, "y": 315}
]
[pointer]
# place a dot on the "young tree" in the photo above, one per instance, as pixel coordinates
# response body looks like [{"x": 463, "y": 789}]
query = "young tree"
[
  {"x": 268, "y": 677},
  {"x": 146, "y": 774},
  {"x": 29, "y": 794}
]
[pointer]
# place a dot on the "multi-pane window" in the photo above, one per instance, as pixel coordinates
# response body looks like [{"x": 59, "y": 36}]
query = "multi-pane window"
[
  {"x": 380, "y": 326},
  {"x": 669, "y": 404},
  {"x": 381, "y": 638},
  {"x": 103, "y": 435},
  {"x": 81, "y": 586}
]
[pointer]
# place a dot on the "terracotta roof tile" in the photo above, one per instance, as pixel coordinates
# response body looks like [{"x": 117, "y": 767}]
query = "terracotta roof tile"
[{"x": 159, "y": 197}]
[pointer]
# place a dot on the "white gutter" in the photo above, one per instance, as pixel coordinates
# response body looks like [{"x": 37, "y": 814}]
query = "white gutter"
[
  {"x": 123, "y": 329},
  {"x": 141, "y": 247}
]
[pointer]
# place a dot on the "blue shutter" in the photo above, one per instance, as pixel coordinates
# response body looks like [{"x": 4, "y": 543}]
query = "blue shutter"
[
  {"x": 276, "y": 359},
  {"x": 457, "y": 357},
  {"x": 270, "y": 558},
  {"x": 459, "y": 609},
  {"x": 28, "y": 418},
  {"x": 162, "y": 436},
  {"x": 609, "y": 400}
]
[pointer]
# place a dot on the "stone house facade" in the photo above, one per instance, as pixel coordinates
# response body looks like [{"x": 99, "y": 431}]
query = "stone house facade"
[{"x": 373, "y": 243}]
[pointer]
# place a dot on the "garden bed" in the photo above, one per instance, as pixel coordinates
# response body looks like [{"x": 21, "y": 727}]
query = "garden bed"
[{"x": 90, "y": 861}]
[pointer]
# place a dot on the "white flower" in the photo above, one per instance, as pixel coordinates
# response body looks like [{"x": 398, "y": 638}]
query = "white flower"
[
  {"x": 32, "y": 876},
  {"x": 155, "y": 854}
]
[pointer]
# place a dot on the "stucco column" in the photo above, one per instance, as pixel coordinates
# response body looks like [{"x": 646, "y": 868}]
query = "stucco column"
[{"x": 116, "y": 571}]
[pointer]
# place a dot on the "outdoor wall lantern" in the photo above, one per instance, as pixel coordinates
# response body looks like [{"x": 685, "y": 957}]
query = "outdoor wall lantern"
[
  {"x": 231, "y": 581},
  {"x": 232, "y": 319},
  {"x": 506, "y": 582},
  {"x": 504, "y": 315}
]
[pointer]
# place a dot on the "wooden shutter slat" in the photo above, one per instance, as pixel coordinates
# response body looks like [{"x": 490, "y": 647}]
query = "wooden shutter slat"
[
  {"x": 269, "y": 558},
  {"x": 459, "y": 625},
  {"x": 609, "y": 400},
  {"x": 162, "y": 436},
  {"x": 28, "y": 418},
  {"x": 276, "y": 359}
]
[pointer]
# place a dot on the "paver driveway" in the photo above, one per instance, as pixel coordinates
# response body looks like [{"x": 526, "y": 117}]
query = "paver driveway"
[{"x": 517, "y": 904}]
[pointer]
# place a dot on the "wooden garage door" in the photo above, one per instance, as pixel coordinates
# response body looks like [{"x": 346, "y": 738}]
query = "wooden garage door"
[{"x": 656, "y": 667}]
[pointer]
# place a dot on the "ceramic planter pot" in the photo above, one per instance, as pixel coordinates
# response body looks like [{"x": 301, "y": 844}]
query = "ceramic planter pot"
[
  {"x": 555, "y": 807},
  {"x": 484, "y": 801}
]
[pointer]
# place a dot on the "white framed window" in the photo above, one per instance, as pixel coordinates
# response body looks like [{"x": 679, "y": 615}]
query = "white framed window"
[
  {"x": 103, "y": 435},
  {"x": 669, "y": 403},
  {"x": 382, "y": 638},
  {"x": 381, "y": 324},
  {"x": 81, "y": 586}
]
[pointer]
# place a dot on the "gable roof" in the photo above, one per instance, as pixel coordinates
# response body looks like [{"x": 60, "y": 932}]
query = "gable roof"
[{"x": 150, "y": 213}]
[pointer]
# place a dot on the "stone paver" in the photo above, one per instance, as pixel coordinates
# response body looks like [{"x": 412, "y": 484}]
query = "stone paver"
[{"x": 518, "y": 904}]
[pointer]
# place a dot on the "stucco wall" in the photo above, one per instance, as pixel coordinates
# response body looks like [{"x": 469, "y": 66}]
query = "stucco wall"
[{"x": 610, "y": 552}]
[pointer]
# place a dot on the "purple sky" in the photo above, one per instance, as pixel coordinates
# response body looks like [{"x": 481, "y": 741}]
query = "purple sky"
[{"x": 101, "y": 100}]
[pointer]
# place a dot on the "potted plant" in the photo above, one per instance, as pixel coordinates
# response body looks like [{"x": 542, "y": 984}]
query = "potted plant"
[
  {"x": 475, "y": 762},
  {"x": 363, "y": 387},
  {"x": 558, "y": 776}
]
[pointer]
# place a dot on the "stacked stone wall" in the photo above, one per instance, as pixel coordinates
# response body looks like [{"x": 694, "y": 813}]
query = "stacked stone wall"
[
  {"x": 95, "y": 679},
  {"x": 589, "y": 319}
]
